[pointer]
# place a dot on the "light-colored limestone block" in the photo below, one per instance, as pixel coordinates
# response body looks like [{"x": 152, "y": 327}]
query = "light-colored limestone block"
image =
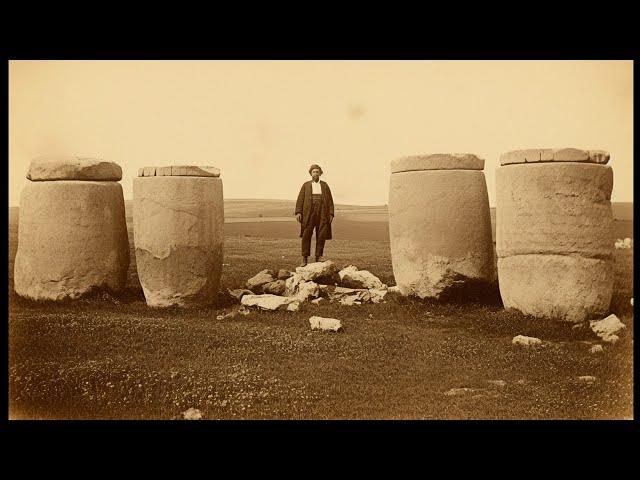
[
  {"x": 554, "y": 239},
  {"x": 440, "y": 231},
  {"x": 179, "y": 236},
  {"x": 72, "y": 238}
]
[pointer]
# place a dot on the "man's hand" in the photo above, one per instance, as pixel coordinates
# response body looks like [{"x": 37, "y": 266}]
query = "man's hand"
[
  {"x": 330, "y": 218},
  {"x": 299, "y": 217}
]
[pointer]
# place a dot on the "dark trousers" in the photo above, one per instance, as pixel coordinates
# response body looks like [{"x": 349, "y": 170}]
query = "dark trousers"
[{"x": 314, "y": 224}]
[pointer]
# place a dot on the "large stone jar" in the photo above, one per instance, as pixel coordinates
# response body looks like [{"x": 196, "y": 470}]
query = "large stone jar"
[
  {"x": 440, "y": 224},
  {"x": 554, "y": 232},
  {"x": 72, "y": 233},
  {"x": 178, "y": 218}
]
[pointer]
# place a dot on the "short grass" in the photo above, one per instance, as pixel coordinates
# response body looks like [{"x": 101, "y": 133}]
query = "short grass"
[{"x": 115, "y": 358}]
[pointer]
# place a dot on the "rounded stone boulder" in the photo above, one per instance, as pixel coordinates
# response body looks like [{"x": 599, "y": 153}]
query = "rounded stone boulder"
[
  {"x": 179, "y": 237},
  {"x": 554, "y": 236},
  {"x": 72, "y": 239},
  {"x": 439, "y": 224}
]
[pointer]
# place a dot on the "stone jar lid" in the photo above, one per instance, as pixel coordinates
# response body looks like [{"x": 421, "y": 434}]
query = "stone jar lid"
[
  {"x": 179, "y": 171},
  {"x": 47, "y": 168},
  {"x": 543, "y": 155},
  {"x": 437, "y": 161}
]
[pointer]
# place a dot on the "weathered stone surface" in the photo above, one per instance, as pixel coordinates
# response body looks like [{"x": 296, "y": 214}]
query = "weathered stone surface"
[
  {"x": 525, "y": 341},
  {"x": 179, "y": 171},
  {"x": 322, "y": 323},
  {"x": 293, "y": 306},
  {"x": 563, "y": 287},
  {"x": 284, "y": 274},
  {"x": 268, "y": 302},
  {"x": 317, "y": 301},
  {"x": 73, "y": 168},
  {"x": 554, "y": 239},
  {"x": 437, "y": 161},
  {"x": 351, "y": 277},
  {"x": 178, "y": 234},
  {"x": 440, "y": 231},
  {"x": 72, "y": 238},
  {"x": 608, "y": 328},
  {"x": 256, "y": 282},
  {"x": 314, "y": 270},
  {"x": 292, "y": 283},
  {"x": 277, "y": 287},
  {"x": 537, "y": 155},
  {"x": 306, "y": 290}
]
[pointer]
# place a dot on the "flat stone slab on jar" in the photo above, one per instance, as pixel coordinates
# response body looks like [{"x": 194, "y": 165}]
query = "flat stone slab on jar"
[
  {"x": 537, "y": 155},
  {"x": 46, "y": 168},
  {"x": 437, "y": 161},
  {"x": 179, "y": 171}
]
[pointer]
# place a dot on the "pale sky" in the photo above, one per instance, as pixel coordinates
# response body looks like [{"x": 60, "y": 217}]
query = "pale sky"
[{"x": 264, "y": 122}]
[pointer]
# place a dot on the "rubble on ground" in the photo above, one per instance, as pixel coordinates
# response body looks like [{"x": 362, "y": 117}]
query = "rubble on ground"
[
  {"x": 607, "y": 328},
  {"x": 313, "y": 283}
]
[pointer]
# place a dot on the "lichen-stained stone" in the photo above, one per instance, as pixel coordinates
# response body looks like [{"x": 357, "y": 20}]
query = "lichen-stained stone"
[
  {"x": 179, "y": 236},
  {"x": 554, "y": 238},
  {"x": 72, "y": 239},
  {"x": 48, "y": 168},
  {"x": 440, "y": 229}
]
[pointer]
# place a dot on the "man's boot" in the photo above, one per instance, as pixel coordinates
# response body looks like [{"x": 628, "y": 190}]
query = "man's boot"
[
  {"x": 318, "y": 258},
  {"x": 304, "y": 262}
]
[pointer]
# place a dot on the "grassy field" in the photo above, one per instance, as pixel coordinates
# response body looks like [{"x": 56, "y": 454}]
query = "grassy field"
[{"x": 116, "y": 358}]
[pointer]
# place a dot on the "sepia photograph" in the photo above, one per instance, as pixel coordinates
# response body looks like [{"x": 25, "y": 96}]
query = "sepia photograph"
[{"x": 320, "y": 239}]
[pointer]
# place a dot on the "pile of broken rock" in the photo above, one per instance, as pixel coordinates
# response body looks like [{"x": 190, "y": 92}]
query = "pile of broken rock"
[{"x": 315, "y": 282}]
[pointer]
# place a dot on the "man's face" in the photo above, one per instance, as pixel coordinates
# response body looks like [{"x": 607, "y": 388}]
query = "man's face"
[{"x": 315, "y": 174}]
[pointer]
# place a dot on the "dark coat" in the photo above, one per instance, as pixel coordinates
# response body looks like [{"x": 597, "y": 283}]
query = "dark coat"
[{"x": 303, "y": 206}]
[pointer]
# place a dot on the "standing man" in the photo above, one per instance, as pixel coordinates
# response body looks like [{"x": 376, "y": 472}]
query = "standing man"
[{"x": 314, "y": 209}]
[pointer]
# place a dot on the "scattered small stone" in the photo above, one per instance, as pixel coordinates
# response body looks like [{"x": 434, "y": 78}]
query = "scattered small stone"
[
  {"x": 284, "y": 274},
  {"x": 497, "y": 383},
  {"x": 256, "y": 282},
  {"x": 322, "y": 323},
  {"x": 267, "y": 301},
  {"x": 351, "y": 277},
  {"x": 626, "y": 243},
  {"x": 459, "y": 391},
  {"x": 317, "y": 301},
  {"x": 526, "y": 341},
  {"x": 317, "y": 269},
  {"x": 607, "y": 328},
  {"x": 192, "y": 414},
  {"x": 596, "y": 349},
  {"x": 239, "y": 293},
  {"x": 587, "y": 379},
  {"x": 394, "y": 289},
  {"x": 293, "y": 306},
  {"x": 522, "y": 381},
  {"x": 277, "y": 287}
]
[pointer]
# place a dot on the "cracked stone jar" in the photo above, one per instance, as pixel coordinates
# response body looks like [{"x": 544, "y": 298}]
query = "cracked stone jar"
[
  {"x": 178, "y": 221},
  {"x": 440, "y": 224},
  {"x": 72, "y": 232},
  {"x": 554, "y": 232}
]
